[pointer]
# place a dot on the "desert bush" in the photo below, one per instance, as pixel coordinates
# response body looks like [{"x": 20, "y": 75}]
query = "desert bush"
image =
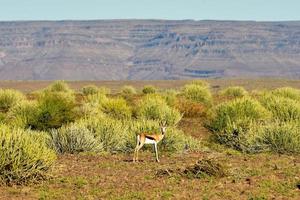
[
  {"x": 149, "y": 89},
  {"x": 233, "y": 119},
  {"x": 283, "y": 109},
  {"x": 22, "y": 114},
  {"x": 280, "y": 137},
  {"x": 128, "y": 90},
  {"x": 170, "y": 97},
  {"x": 24, "y": 156},
  {"x": 53, "y": 110},
  {"x": 9, "y": 98},
  {"x": 109, "y": 132},
  {"x": 99, "y": 103},
  {"x": 104, "y": 90},
  {"x": 98, "y": 99},
  {"x": 234, "y": 92},
  {"x": 287, "y": 92},
  {"x": 74, "y": 138},
  {"x": 90, "y": 90},
  {"x": 200, "y": 83},
  {"x": 190, "y": 108},
  {"x": 116, "y": 108},
  {"x": 154, "y": 107},
  {"x": 198, "y": 93},
  {"x": 176, "y": 141},
  {"x": 92, "y": 105},
  {"x": 59, "y": 86}
]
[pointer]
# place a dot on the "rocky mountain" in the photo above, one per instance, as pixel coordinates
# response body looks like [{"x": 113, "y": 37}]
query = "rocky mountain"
[{"x": 148, "y": 49}]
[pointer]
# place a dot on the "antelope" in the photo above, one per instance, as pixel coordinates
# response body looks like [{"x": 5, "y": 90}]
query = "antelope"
[{"x": 148, "y": 138}]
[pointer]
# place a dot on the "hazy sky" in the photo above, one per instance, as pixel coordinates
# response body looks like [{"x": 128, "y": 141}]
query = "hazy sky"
[{"x": 261, "y": 10}]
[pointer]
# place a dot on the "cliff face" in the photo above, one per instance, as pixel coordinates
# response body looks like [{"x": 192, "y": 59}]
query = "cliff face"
[{"x": 148, "y": 49}]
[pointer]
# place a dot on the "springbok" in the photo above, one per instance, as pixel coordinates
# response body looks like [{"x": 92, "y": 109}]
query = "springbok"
[{"x": 148, "y": 138}]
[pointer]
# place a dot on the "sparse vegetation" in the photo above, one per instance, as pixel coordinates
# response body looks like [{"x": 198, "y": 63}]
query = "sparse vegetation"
[
  {"x": 234, "y": 92},
  {"x": 94, "y": 133}
]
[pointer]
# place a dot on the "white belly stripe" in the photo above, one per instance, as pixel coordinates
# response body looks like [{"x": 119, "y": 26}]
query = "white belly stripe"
[{"x": 148, "y": 141}]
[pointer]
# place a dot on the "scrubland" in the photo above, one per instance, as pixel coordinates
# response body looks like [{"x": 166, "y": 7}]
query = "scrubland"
[{"x": 224, "y": 141}]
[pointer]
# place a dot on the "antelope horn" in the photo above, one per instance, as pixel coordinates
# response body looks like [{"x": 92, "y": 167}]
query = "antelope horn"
[{"x": 181, "y": 116}]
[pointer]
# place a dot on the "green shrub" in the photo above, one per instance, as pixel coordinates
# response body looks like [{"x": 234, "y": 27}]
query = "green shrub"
[
  {"x": 200, "y": 83},
  {"x": 116, "y": 108},
  {"x": 90, "y": 90},
  {"x": 22, "y": 114},
  {"x": 24, "y": 156},
  {"x": 74, "y": 138},
  {"x": 128, "y": 90},
  {"x": 283, "y": 109},
  {"x": 109, "y": 132},
  {"x": 233, "y": 119},
  {"x": 53, "y": 110},
  {"x": 9, "y": 98},
  {"x": 170, "y": 97},
  {"x": 92, "y": 104},
  {"x": 154, "y": 107},
  {"x": 234, "y": 92},
  {"x": 277, "y": 137},
  {"x": 59, "y": 86},
  {"x": 104, "y": 90},
  {"x": 287, "y": 92},
  {"x": 176, "y": 141},
  {"x": 149, "y": 89},
  {"x": 197, "y": 93}
]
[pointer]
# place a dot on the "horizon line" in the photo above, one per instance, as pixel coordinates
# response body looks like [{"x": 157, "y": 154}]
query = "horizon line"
[{"x": 144, "y": 19}]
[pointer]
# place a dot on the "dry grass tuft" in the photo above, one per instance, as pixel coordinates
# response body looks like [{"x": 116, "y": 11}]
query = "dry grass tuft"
[
  {"x": 201, "y": 169},
  {"x": 204, "y": 168}
]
